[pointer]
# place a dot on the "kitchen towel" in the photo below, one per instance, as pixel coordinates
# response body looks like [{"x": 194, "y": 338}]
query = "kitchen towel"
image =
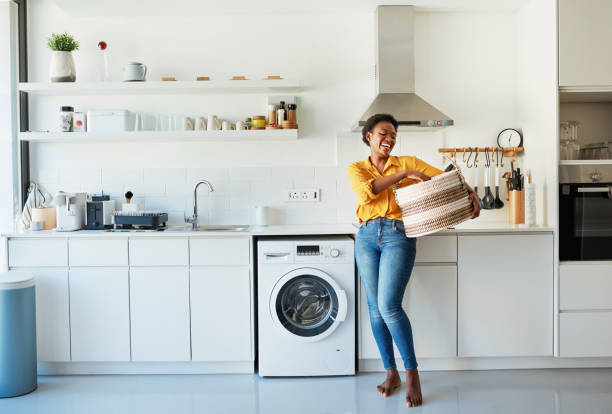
[{"x": 38, "y": 197}]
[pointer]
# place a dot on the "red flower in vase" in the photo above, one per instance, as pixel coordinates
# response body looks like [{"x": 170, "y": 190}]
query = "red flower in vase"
[{"x": 102, "y": 45}]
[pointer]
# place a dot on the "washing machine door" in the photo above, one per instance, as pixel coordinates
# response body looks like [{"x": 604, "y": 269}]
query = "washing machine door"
[{"x": 307, "y": 304}]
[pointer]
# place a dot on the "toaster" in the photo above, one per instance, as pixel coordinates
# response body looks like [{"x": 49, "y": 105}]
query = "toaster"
[{"x": 100, "y": 214}]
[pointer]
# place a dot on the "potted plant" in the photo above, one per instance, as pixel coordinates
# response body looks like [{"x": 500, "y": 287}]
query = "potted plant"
[{"x": 62, "y": 68}]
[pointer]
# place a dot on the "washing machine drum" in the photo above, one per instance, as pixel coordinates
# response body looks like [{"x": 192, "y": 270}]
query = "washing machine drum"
[{"x": 307, "y": 304}]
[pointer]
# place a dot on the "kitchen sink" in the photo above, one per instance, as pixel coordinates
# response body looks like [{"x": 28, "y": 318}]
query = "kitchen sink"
[{"x": 213, "y": 227}]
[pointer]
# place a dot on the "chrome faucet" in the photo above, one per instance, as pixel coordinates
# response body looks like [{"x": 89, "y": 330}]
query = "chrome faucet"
[{"x": 194, "y": 219}]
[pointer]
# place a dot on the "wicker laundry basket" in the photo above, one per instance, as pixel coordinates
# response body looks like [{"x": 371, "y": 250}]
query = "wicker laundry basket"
[{"x": 431, "y": 206}]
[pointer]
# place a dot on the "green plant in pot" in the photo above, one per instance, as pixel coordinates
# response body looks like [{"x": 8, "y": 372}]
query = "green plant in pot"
[{"x": 62, "y": 68}]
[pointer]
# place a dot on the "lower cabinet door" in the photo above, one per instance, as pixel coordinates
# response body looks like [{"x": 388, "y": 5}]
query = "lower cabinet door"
[
  {"x": 159, "y": 304},
  {"x": 430, "y": 302},
  {"x": 52, "y": 314},
  {"x": 505, "y": 295},
  {"x": 221, "y": 313},
  {"x": 99, "y": 314}
]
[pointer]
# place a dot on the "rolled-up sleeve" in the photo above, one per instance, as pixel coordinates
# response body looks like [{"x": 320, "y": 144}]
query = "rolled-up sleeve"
[{"x": 361, "y": 183}]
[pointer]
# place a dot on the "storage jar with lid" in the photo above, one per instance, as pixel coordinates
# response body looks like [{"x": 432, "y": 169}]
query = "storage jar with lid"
[{"x": 66, "y": 115}]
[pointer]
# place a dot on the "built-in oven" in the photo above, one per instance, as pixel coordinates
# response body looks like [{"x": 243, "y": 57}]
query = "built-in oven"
[{"x": 585, "y": 221}]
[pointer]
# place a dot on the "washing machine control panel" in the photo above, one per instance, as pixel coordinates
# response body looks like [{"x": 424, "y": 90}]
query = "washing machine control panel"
[{"x": 318, "y": 253}]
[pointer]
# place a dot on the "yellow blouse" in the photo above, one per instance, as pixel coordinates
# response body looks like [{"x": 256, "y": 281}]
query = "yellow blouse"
[{"x": 370, "y": 205}]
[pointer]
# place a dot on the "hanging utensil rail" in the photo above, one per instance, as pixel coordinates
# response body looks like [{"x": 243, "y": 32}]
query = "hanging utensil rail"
[{"x": 507, "y": 152}]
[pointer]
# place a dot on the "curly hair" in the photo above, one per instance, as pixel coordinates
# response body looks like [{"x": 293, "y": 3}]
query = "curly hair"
[{"x": 373, "y": 121}]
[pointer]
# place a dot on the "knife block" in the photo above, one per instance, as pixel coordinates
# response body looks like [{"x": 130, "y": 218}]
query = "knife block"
[{"x": 516, "y": 207}]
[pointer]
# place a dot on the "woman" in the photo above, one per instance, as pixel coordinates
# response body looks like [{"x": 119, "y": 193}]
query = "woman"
[{"x": 384, "y": 254}]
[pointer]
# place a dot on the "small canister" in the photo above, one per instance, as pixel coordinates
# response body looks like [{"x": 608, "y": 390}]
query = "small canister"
[
  {"x": 248, "y": 122},
  {"x": 78, "y": 121},
  {"x": 271, "y": 114},
  {"x": 66, "y": 115},
  {"x": 291, "y": 115},
  {"x": 259, "y": 122}
]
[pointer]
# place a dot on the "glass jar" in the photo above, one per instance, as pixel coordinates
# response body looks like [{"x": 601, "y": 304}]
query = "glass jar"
[{"x": 66, "y": 118}]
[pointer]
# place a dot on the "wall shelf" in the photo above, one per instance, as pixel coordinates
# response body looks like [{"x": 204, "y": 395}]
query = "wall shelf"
[
  {"x": 585, "y": 162},
  {"x": 582, "y": 94},
  {"x": 161, "y": 136},
  {"x": 159, "y": 87}
]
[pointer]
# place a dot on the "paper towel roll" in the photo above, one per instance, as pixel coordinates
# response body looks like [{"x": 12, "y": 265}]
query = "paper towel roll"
[{"x": 530, "y": 204}]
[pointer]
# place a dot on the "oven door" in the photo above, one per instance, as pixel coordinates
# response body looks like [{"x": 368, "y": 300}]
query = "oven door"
[{"x": 585, "y": 221}]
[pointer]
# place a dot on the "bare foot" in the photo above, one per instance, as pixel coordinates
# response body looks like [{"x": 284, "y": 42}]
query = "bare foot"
[
  {"x": 392, "y": 382},
  {"x": 414, "y": 398}
]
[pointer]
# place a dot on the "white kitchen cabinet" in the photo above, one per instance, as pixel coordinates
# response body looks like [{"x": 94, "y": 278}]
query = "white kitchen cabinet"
[
  {"x": 37, "y": 252},
  {"x": 159, "y": 304},
  {"x": 98, "y": 252},
  {"x": 585, "y": 39},
  {"x": 221, "y": 313},
  {"x": 99, "y": 314},
  {"x": 430, "y": 302},
  {"x": 505, "y": 295},
  {"x": 218, "y": 251},
  {"x": 52, "y": 314},
  {"x": 585, "y": 286},
  {"x": 585, "y": 334},
  {"x": 158, "y": 251},
  {"x": 436, "y": 249}
]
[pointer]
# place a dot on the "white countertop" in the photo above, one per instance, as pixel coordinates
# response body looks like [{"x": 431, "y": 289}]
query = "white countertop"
[{"x": 471, "y": 226}]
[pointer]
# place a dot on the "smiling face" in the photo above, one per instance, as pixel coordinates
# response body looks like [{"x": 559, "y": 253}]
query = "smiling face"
[{"x": 382, "y": 139}]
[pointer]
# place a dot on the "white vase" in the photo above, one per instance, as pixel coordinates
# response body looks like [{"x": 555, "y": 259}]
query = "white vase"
[{"x": 62, "y": 68}]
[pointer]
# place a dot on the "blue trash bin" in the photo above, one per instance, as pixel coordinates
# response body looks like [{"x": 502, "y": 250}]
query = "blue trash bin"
[{"x": 17, "y": 334}]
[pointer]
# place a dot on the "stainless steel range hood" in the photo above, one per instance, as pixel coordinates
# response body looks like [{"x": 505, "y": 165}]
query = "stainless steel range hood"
[{"x": 395, "y": 73}]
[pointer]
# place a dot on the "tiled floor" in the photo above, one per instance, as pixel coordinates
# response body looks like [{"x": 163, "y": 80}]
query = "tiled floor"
[{"x": 534, "y": 391}]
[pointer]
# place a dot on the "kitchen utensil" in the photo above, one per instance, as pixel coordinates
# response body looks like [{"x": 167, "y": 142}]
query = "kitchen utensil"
[
  {"x": 487, "y": 202},
  {"x": 107, "y": 120},
  {"x": 498, "y": 202},
  {"x": 134, "y": 72}
]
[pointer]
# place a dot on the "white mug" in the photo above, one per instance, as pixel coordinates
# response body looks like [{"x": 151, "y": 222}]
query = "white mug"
[
  {"x": 213, "y": 123},
  {"x": 226, "y": 126},
  {"x": 188, "y": 124},
  {"x": 134, "y": 71},
  {"x": 138, "y": 122}
]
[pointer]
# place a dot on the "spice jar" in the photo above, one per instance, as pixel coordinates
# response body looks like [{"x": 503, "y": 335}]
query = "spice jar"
[
  {"x": 271, "y": 114},
  {"x": 66, "y": 115},
  {"x": 259, "y": 122},
  {"x": 280, "y": 113},
  {"x": 291, "y": 115}
]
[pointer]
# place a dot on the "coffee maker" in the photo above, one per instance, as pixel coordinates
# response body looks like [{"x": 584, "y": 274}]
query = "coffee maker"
[{"x": 70, "y": 210}]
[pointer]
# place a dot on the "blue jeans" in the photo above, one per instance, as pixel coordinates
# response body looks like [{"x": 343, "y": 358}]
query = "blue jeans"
[{"x": 385, "y": 257}]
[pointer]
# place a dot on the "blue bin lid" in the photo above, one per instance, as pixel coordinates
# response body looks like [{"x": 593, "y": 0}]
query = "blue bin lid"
[{"x": 16, "y": 280}]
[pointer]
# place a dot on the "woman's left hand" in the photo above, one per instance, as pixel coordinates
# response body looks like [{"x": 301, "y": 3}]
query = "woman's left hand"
[{"x": 475, "y": 203}]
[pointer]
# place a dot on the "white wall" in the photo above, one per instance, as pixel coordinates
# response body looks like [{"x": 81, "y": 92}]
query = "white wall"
[
  {"x": 8, "y": 119},
  {"x": 461, "y": 68}
]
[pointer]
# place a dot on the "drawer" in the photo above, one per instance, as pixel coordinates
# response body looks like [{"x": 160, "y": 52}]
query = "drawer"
[
  {"x": 38, "y": 252},
  {"x": 159, "y": 252},
  {"x": 219, "y": 251},
  {"x": 585, "y": 286},
  {"x": 585, "y": 334},
  {"x": 436, "y": 249},
  {"x": 97, "y": 252}
]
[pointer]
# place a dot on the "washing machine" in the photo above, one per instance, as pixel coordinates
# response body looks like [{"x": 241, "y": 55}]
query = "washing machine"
[{"x": 306, "y": 306}]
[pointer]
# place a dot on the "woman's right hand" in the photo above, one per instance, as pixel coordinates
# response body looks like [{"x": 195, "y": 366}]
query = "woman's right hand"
[{"x": 416, "y": 176}]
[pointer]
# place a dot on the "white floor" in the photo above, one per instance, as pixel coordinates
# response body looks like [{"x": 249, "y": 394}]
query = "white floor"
[{"x": 534, "y": 391}]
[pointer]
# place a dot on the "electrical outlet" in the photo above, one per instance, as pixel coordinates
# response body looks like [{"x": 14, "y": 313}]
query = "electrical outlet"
[{"x": 307, "y": 195}]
